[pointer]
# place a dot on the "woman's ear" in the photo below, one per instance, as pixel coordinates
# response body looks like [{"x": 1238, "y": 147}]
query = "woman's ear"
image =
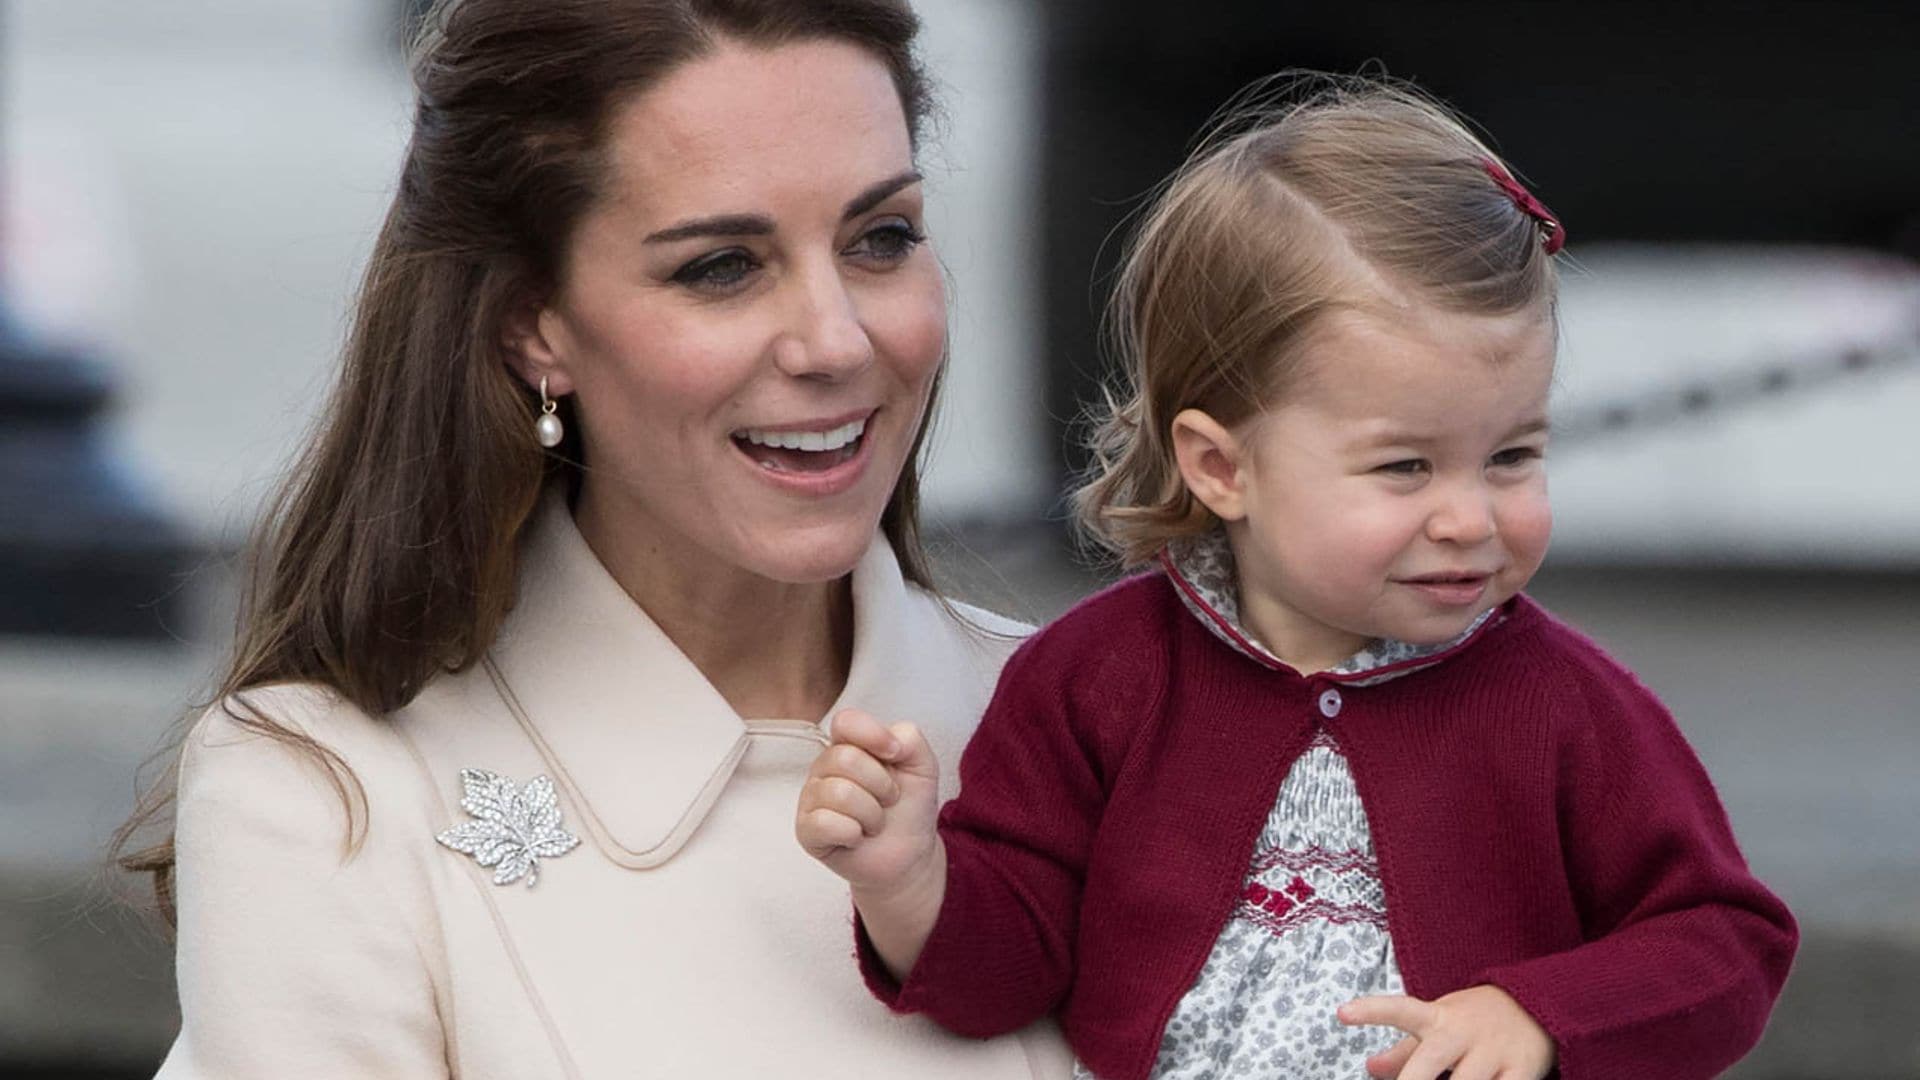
[
  {"x": 1212, "y": 462},
  {"x": 533, "y": 338}
]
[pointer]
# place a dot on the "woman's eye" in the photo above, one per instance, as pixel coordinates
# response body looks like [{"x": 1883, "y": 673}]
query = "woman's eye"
[
  {"x": 1409, "y": 467},
  {"x": 889, "y": 243},
  {"x": 1515, "y": 456},
  {"x": 720, "y": 270}
]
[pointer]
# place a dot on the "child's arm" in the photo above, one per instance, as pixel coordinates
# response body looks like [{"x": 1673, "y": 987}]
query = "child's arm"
[
  {"x": 867, "y": 811},
  {"x": 974, "y": 925},
  {"x": 1686, "y": 950}
]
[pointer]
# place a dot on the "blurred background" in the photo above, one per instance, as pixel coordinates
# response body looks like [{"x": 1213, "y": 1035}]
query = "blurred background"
[{"x": 190, "y": 187}]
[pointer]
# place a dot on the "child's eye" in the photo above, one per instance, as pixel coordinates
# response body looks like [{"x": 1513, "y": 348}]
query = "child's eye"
[
  {"x": 891, "y": 242},
  {"x": 718, "y": 271},
  {"x": 1409, "y": 467},
  {"x": 1515, "y": 456}
]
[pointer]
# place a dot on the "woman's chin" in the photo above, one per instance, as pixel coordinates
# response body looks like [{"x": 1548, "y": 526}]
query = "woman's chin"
[{"x": 808, "y": 556}]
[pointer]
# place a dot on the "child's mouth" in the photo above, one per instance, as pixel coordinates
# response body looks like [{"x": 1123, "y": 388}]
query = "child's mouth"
[{"x": 1452, "y": 590}]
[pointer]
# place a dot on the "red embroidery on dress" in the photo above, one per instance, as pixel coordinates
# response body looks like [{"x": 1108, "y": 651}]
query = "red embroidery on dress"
[
  {"x": 1314, "y": 858},
  {"x": 1280, "y": 910},
  {"x": 1277, "y": 915},
  {"x": 1278, "y": 902}
]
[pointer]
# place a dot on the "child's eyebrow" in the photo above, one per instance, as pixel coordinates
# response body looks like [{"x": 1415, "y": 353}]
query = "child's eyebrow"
[{"x": 1379, "y": 438}]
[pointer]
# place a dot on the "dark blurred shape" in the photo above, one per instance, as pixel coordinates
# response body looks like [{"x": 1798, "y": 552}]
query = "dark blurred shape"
[
  {"x": 1667, "y": 405},
  {"x": 79, "y": 1073},
  {"x": 1776, "y": 122},
  {"x": 82, "y": 552}
]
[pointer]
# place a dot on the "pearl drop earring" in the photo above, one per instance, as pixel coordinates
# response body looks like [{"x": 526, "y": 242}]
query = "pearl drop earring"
[{"x": 548, "y": 429}]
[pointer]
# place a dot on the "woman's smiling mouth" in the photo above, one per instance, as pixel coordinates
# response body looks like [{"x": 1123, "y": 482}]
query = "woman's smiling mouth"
[{"x": 809, "y": 450}]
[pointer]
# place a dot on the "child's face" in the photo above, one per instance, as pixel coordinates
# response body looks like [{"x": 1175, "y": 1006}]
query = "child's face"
[{"x": 1399, "y": 490}]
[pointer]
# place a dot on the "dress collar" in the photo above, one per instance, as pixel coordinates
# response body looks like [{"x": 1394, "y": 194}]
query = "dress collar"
[
  {"x": 1203, "y": 573},
  {"x": 631, "y": 730}
]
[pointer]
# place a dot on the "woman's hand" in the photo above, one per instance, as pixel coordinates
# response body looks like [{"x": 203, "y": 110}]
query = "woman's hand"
[
  {"x": 868, "y": 811},
  {"x": 1480, "y": 1033}
]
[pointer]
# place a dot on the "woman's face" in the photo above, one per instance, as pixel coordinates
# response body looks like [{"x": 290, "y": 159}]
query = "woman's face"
[{"x": 750, "y": 320}]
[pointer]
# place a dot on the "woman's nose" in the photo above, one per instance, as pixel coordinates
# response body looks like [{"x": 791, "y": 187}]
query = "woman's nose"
[{"x": 827, "y": 339}]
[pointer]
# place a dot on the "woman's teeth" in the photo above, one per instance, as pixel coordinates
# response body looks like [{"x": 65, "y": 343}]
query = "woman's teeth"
[
  {"x": 812, "y": 441},
  {"x": 802, "y": 451}
]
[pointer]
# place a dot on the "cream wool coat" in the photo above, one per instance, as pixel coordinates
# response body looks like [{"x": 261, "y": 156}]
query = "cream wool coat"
[{"x": 687, "y": 935}]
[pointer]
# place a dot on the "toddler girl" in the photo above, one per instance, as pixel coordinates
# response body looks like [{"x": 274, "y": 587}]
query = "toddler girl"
[{"x": 1322, "y": 794}]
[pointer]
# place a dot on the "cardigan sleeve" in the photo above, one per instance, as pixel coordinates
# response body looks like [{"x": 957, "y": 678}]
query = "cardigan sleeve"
[
  {"x": 1686, "y": 950},
  {"x": 292, "y": 958},
  {"x": 1001, "y": 953}
]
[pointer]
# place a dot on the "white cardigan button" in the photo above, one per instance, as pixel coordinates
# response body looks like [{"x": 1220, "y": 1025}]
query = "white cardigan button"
[{"x": 1330, "y": 703}]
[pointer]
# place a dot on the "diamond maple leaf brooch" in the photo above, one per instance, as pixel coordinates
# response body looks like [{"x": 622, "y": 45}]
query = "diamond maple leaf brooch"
[{"x": 512, "y": 828}]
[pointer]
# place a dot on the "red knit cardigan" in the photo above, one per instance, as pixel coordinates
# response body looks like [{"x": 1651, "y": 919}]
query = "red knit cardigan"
[{"x": 1540, "y": 824}]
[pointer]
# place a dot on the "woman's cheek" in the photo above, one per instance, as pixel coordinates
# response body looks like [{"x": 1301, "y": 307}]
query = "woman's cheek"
[{"x": 911, "y": 336}]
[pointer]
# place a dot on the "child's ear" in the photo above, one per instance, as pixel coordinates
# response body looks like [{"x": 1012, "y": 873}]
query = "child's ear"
[
  {"x": 1212, "y": 462},
  {"x": 533, "y": 335}
]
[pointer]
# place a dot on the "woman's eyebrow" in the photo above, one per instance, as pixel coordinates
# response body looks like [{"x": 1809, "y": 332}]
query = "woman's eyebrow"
[
  {"x": 879, "y": 193},
  {"x": 760, "y": 225},
  {"x": 721, "y": 225}
]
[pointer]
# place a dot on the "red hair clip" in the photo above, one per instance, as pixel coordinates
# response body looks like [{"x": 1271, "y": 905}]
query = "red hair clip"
[{"x": 1552, "y": 233}]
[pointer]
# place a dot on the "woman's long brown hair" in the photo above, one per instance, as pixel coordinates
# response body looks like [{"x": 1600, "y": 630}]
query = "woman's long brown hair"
[{"x": 389, "y": 555}]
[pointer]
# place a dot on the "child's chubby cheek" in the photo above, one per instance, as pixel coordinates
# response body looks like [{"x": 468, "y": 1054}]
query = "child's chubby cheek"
[{"x": 1526, "y": 530}]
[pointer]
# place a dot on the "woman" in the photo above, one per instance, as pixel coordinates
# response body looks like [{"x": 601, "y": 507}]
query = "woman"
[{"x": 614, "y": 504}]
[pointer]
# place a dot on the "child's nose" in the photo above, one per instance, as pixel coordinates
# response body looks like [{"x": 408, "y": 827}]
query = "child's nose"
[{"x": 1463, "y": 516}]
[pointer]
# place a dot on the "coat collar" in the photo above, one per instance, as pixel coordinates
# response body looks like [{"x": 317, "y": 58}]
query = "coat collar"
[
  {"x": 1203, "y": 573},
  {"x": 632, "y": 732}
]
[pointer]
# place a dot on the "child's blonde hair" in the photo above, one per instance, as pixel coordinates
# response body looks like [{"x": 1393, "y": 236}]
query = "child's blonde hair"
[{"x": 1353, "y": 191}]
